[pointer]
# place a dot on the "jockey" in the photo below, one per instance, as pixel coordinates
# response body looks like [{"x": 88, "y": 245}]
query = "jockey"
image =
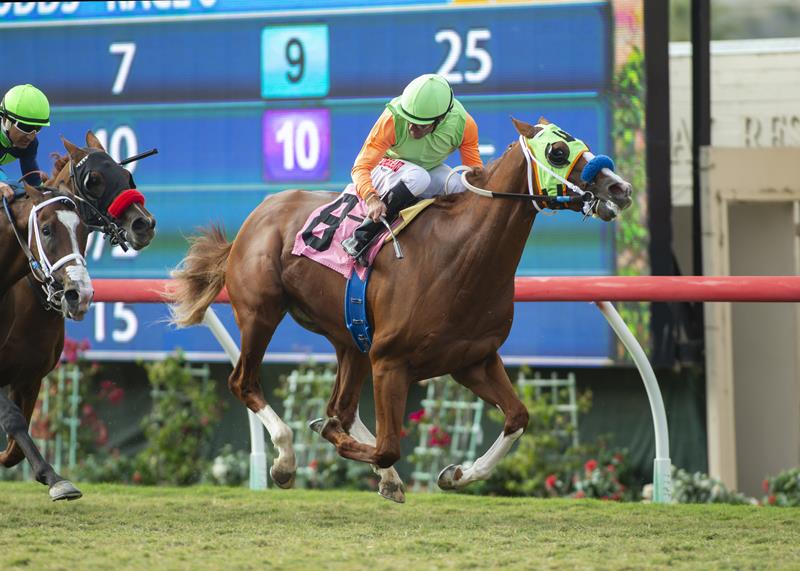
[
  {"x": 402, "y": 158},
  {"x": 24, "y": 110}
]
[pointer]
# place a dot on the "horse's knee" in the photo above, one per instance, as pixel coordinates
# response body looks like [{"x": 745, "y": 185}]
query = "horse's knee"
[
  {"x": 387, "y": 458},
  {"x": 12, "y": 421},
  {"x": 517, "y": 419}
]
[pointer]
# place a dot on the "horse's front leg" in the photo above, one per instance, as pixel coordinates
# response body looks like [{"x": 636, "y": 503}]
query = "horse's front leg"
[
  {"x": 13, "y": 422},
  {"x": 489, "y": 381},
  {"x": 25, "y": 398},
  {"x": 391, "y": 486},
  {"x": 343, "y": 404},
  {"x": 391, "y": 391}
]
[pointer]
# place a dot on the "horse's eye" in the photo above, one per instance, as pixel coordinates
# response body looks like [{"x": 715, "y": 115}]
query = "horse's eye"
[{"x": 46, "y": 231}]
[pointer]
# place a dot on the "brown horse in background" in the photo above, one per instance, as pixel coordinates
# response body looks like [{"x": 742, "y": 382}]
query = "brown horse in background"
[
  {"x": 36, "y": 338},
  {"x": 446, "y": 309}
]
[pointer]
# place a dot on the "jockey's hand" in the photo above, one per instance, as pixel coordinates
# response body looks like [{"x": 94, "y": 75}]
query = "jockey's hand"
[
  {"x": 7, "y": 191},
  {"x": 375, "y": 207}
]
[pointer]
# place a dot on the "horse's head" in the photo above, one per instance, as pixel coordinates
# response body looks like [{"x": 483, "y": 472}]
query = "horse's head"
[
  {"x": 559, "y": 157},
  {"x": 56, "y": 239},
  {"x": 108, "y": 197}
]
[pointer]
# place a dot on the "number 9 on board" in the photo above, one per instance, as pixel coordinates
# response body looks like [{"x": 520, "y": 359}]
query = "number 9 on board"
[{"x": 294, "y": 61}]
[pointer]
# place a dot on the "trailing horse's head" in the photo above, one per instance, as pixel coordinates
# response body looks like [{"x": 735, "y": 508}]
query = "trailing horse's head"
[
  {"x": 56, "y": 239},
  {"x": 109, "y": 199},
  {"x": 563, "y": 166}
]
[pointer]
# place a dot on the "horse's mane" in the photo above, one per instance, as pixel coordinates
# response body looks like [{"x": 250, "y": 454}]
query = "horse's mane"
[{"x": 60, "y": 161}]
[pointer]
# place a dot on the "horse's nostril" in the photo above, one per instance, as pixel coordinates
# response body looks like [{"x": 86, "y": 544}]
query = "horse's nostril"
[
  {"x": 143, "y": 224},
  {"x": 72, "y": 297},
  {"x": 618, "y": 189}
]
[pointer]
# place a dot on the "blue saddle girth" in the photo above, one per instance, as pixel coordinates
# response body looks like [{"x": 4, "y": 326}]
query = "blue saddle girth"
[{"x": 355, "y": 311}]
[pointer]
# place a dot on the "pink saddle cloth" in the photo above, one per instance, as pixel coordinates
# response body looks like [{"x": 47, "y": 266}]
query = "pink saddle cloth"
[{"x": 326, "y": 227}]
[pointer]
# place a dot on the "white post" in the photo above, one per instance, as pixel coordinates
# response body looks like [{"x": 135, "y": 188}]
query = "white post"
[
  {"x": 662, "y": 478},
  {"x": 258, "y": 456}
]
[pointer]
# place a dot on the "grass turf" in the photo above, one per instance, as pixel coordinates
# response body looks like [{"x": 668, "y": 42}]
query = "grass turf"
[{"x": 199, "y": 528}]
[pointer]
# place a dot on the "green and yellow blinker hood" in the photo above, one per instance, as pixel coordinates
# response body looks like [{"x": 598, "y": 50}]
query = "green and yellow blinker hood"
[{"x": 543, "y": 148}]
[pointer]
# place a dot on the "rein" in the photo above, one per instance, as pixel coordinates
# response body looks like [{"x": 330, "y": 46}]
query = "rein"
[{"x": 580, "y": 196}]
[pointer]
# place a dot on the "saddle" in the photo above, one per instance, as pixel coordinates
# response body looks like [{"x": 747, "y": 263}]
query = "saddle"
[{"x": 321, "y": 235}]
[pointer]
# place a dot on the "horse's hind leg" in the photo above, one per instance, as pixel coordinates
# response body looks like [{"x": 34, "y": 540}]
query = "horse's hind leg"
[
  {"x": 25, "y": 398},
  {"x": 13, "y": 422},
  {"x": 257, "y": 327},
  {"x": 490, "y": 382},
  {"x": 353, "y": 369}
]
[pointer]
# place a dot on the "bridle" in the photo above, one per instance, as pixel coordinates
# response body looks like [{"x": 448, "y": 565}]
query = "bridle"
[
  {"x": 42, "y": 269},
  {"x": 101, "y": 214},
  {"x": 585, "y": 198}
]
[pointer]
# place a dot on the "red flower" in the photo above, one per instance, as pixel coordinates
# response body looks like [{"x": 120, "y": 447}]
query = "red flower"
[
  {"x": 550, "y": 482},
  {"x": 765, "y": 485},
  {"x": 106, "y": 385},
  {"x": 590, "y": 466},
  {"x": 403, "y": 433},
  {"x": 137, "y": 477},
  {"x": 116, "y": 396},
  {"x": 102, "y": 433},
  {"x": 580, "y": 494},
  {"x": 772, "y": 500},
  {"x": 313, "y": 464},
  {"x": 72, "y": 349},
  {"x": 610, "y": 468},
  {"x": 438, "y": 437},
  {"x": 619, "y": 457},
  {"x": 417, "y": 416}
]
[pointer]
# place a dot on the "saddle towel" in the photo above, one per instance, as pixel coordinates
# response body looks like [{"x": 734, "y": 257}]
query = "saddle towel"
[{"x": 326, "y": 227}]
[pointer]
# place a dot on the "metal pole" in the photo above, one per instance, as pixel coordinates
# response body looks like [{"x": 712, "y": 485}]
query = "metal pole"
[
  {"x": 701, "y": 117},
  {"x": 258, "y": 456},
  {"x": 662, "y": 478}
]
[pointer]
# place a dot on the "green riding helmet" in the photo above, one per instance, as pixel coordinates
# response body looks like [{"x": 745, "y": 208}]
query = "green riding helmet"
[
  {"x": 426, "y": 99},
  {"x": 26, "y": 104}
]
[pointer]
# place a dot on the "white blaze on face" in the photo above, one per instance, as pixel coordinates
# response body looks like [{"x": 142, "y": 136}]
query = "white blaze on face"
[{"x": 76, "y": 272}]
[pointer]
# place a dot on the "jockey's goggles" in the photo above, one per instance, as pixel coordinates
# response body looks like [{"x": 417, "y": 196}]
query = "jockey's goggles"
[{"x": 26, "y": 128}]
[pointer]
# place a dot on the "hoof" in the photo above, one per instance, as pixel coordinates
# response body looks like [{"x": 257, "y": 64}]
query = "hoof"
[
  {"x": 449, "y": 477},
  {"x": 64, "y": 490},
  {"x": 323, "y": 426},
  {"x": 393, "y": 491},
  {"x": 316, "y": 425},
  {"x": 282, "y": 479}
]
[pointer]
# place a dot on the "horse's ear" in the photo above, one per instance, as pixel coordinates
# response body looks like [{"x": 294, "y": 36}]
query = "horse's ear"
[
  {"x": 75, "y": 153},
  {"x": 61, "y": 177},
  {"x": 543, "y": 120},
  {"x": 93, "y": 142},
  {"x": 32, "y": 191},
  {"x": 525, "y": 129}
]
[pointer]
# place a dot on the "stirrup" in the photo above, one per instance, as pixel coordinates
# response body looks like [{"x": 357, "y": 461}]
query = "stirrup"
[{"x": 350, "y": 245}]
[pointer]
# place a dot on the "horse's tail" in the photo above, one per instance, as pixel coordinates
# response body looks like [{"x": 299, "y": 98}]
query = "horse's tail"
[{"x": 200, "y": 278}]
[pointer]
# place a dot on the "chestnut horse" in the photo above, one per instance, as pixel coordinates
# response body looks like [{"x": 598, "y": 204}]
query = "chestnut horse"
[
  {"x": 36, "y": 338},
  {"x": 447, "y": 308},
  {"x": 51, "y": 250}
]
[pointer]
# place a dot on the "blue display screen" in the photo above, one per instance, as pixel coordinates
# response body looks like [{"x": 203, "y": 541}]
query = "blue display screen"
[{"x": 243, "y": 107}]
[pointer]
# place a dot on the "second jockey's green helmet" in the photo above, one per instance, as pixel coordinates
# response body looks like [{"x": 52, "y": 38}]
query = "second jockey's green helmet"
[
  {"x": 426, "y": 99},
  {"x": 26, "y": 104}
]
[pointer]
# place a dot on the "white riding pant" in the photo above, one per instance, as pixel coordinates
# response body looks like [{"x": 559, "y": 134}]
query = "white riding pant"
[{"x": 421, "y": 183}]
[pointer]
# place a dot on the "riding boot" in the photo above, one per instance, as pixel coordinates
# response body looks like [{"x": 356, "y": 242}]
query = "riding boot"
[{"x": 357, "y": 245}]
